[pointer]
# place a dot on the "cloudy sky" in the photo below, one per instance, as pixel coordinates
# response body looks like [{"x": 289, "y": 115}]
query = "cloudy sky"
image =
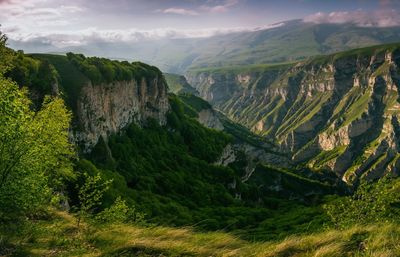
[{"x": 71, "y": 22}]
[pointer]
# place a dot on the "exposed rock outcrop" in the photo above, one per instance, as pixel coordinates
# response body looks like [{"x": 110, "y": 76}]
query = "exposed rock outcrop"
[
  {"x": 107, "y": 108},
  {"x": 338, "y": 112},
  {"x": 208, "y": 118}
]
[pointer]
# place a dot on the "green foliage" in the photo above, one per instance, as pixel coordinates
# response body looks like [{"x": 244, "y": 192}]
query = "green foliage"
[
  {"x": 34, "y": 151},
  {"x": 91, "y": 194},
  {"x": 102, "y": 70},
  {"x": 120, "y": 212},
  {"x": 372, "y": 202},
  {"x": 57, "y": 235},
  {"x": 197, "y": 103},
  {"x": 5, "y": 55},
  {"x": 37, "y": 75},
  {"x": 168, "y": 173}
]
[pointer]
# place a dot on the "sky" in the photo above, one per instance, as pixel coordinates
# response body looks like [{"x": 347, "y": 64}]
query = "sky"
[{"x": 74, "y": 22}]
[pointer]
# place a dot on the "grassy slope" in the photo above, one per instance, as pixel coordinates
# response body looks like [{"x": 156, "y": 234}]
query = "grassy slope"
[
  {"x": 294, "y": 41},
  {"x": 177, "y": 84},
  {"x": 350, "y": 108},
  {"x": 242, "y": 68},
  {"x": 58, "y": 235},
  {"x": 320, "y": 59}
]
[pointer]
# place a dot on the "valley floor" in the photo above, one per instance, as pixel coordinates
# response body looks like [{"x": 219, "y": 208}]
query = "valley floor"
[{"x": 58, "y": 235}]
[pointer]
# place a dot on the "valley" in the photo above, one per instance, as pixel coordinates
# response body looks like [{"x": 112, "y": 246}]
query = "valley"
[
  {"x": 320, "y": 110},
  {"x": 250, "y": 140}
]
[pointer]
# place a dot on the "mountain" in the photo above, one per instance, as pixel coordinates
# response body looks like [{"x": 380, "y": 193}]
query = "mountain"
[
  {"x": 284, "y": 42},
  {"x": 338, "y": 112},
  {"x": 172, "y": 156},
  {"x": 102, "y": 100}
]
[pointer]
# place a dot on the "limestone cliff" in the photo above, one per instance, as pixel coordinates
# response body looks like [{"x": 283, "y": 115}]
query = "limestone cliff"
[
  {"x": 106, "y": 95},
  {"x": 107, "y": 108},
  {"x": 339, "y": 112}
]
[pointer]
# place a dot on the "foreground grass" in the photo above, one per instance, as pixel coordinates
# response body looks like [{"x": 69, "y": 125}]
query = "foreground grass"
[{"x": 60, "y": 236}]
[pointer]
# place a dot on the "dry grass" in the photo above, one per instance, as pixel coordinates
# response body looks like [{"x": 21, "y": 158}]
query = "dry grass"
[{"x": 61, "y": 237}]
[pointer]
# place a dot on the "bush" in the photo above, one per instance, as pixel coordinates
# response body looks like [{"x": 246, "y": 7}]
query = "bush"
[
  {"x": 377, "y": 201},
  {"x": 120, "y": 212}
]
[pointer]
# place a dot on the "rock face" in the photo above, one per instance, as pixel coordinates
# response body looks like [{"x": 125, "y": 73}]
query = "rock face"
[
  {"x": 208, "y": 118},
  {"x": 107, "y": 108},
  {"x": 339, "y": 113}
]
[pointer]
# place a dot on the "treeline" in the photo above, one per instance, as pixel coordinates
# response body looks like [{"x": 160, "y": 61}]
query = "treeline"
[
  {"x": 39, "y": 76},
  {"x": 102, "y": 70}
]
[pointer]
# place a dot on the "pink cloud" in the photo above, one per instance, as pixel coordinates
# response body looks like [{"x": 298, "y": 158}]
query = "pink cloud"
[
  {"x": 379, "y": 18},
  {"x": 219, "y": 8},
  {"x": 180, "y": 11}
]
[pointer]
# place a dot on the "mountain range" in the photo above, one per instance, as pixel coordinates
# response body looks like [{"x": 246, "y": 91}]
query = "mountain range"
[{"x": 283, "y": 42}]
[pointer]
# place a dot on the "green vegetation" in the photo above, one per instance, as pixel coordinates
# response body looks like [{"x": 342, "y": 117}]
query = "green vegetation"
[
  {"x": 71, "y": 80},
  {"x": 34, "y": 152},
  {"x": 57, "y": 235},
  {"x": 177, "y": 84},
  {"x": 127, "y": 196},
  {"x": 197, "y": 103},
  {"x": 101, "y": 70},
  {"x": 323, "y": 157},
  {"x": 243, "y": 68},
  {"x": 371, "y": 203},
  {"x": 170, "y": 175},
  {"x": 75, "y": 71}
]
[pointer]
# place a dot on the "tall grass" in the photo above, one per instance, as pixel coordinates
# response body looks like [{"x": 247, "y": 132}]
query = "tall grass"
[{"x": 59, "y": 236}]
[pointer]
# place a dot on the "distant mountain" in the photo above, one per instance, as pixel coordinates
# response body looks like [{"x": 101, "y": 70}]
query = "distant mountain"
[
  {"x": 291, "y": 41},
  {"x": 338, "y": 112}
]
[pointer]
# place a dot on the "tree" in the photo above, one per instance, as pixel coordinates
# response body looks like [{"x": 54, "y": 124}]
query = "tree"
[
  {"x": 34, "y": 150},
  {"x": 120, "y": 212},
  {"x": 5, "y": 54},
  {"x": 91, "y": 194}
]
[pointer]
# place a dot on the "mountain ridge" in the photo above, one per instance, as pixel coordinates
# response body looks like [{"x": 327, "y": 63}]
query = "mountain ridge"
[
  {"x": 293, "y": 41},
  {"x": 292, "y": 102}
]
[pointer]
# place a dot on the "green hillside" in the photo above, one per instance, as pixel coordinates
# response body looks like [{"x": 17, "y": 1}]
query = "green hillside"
[{"x": 320, "y": 110}]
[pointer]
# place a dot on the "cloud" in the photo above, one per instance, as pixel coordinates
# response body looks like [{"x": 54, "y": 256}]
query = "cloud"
[
  {"x": 180, "y": 11},
  {"x": 379, "y": 18},
  {"x": 213, "y": 6},
  {"x": 92, "y": 36},
  {"x": 32, "y": 15}
]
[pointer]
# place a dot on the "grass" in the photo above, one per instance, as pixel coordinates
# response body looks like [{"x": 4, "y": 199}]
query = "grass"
[
  {"x": 325, "y": 156},
  {"x": 59, "y": 236},
  {"x": 300, "y": 114},
  {"x": 319, "y": 59},
  {"x": 365, "y": 51},
  {"x": 243, "y": 68}
]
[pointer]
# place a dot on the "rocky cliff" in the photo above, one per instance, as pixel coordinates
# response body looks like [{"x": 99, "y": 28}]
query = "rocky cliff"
[
  {"x": 338, "y": 112},
  {"x": 105, "y": 96},
  {"x": 107, "y": 108}
]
